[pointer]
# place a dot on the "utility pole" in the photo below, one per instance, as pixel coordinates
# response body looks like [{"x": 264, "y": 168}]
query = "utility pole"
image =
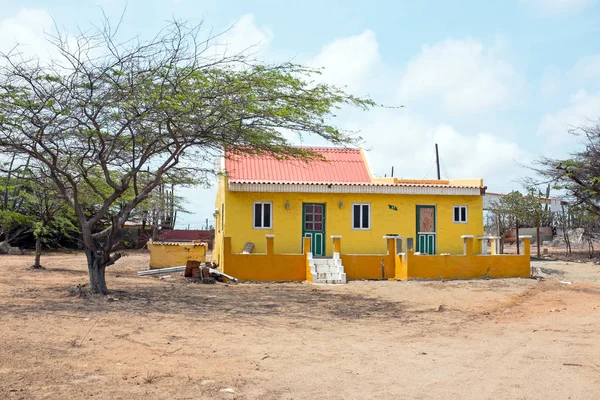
[
  {"x": 538, "y": 237},
  {"x": 437, "y": 161}
]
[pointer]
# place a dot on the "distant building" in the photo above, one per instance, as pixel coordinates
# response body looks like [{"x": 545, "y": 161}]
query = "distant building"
[{"x": 489, "y": 199}]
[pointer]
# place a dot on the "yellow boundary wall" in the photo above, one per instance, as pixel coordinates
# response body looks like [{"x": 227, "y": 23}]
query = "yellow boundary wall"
[
  {"x": 173, "y": 254},
  {"x": 271, "y": 266},
  {"x": 369, "y": 266},
  {"x": 469, "y": 265},
  {"x": 265, "y": 266}
]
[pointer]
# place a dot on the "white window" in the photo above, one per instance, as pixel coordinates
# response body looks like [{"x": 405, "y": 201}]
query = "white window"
[
  {"x": 361, "y": 216},
  {"x": 459, "y": 215},
  {"x": 263, "y": 216}
]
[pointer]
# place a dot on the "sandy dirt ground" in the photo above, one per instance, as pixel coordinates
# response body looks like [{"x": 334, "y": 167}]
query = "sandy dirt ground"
[{"x": 174, "y": 339}]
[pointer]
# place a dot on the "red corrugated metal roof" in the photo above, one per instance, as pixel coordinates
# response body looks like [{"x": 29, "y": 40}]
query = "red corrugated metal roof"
[
  {"x": 341, "y": 166},
  {"x": 185, "y": 234}
]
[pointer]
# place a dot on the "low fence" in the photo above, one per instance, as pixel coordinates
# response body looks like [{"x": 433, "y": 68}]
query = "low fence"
[
  {"x": 264, "y": 266},
  {"x": 408, "y": 265},
  {"x": 370, "y": 266},
  {"x": 174, "y": 254},
  {"x": 469, "y": 265}
]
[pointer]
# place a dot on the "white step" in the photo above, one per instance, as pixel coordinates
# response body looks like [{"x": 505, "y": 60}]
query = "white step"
[
  {"x": 320, "y": 278},
  {"x": 327, "y": 270}
]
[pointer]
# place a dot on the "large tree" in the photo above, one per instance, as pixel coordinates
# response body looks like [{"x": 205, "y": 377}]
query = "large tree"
[
  {"x": 579, "y": 174},
  {"x": 107, "y": 117}
]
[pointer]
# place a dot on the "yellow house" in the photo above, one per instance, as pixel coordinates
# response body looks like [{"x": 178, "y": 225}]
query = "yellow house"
[{"x": 262, "y": 196}]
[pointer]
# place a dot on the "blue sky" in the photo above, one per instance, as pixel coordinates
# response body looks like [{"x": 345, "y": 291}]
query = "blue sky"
[{"x": 492, "y": 82}]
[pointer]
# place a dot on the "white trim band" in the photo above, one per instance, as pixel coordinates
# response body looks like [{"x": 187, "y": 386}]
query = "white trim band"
[{"x": 391, "y": 189}]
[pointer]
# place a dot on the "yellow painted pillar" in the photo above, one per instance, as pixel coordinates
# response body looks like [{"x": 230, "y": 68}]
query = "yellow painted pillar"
[
  {"x": 306, "y": 245},
  {"x": 270, "y": 244},
  {"x": 526, "y": 245},
  {"x": 408, "y": 255},
  {"x": 390, "y": 261},
  {"x": 337, "y": 244},
  {"x": 467, "y": 245},
  {"x": 391, "y": 244},
  {"x": 495, "y": 242}
]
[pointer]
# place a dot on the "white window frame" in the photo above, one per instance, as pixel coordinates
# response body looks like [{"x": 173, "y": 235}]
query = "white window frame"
[
  {"x": 361, "y": 208},
  {"x": 262, "y": 220},
  {"x": 459, "y": 214}
]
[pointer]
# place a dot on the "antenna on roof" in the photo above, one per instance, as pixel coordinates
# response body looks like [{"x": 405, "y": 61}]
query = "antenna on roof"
[
  {"x": 437, "y": 161},
  {"x": 392, "y": 175}
]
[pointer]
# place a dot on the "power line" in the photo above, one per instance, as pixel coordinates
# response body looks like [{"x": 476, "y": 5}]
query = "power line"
[
  {"x": 444, "y": 170},
  {"x": 430, "y": 165}
]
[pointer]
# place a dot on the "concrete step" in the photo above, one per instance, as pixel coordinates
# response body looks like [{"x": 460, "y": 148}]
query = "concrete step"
[
  {"x": 329, "y": 278},
  {"x": 329, "y": 268},
  {"x": 327, "y": 261},
  {"x": 328, "y": 275}
]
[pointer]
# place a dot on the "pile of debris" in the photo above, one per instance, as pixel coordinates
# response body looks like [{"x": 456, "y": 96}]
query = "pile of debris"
[
  {"x": 6, "y": 248},
  {"x": 202, "y": 272}
]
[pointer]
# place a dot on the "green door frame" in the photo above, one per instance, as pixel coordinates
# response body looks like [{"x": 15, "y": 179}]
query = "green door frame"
[
  {"x": 426, "y": 241},
  {"x": 317, "y": 236}
]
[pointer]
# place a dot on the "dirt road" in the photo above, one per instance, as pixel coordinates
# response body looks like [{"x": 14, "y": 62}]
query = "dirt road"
[{"x": 169, "y": 338}]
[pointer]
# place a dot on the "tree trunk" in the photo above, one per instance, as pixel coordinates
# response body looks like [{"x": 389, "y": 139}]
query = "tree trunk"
[
  {"x": 517, "y": 232},
  {"x": 38, "y": 253},
  {"x": 96, "y": 269}
]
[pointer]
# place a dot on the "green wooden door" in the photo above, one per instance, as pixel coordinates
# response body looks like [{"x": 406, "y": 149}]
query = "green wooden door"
[
  {"x": 313, "y": 227},
  {"x": 426, "y": 234}
]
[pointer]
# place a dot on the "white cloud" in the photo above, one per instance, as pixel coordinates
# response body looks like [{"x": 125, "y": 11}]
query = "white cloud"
[
  {"x": 348, "y": 61},
  {"x": 406, "y": 141},
  {"x": 27, "y": 29},
  {"x": 587, "y": 68},
  {"x": 583, "y": 110},
  {"x": 245, "y": 37},
  {"x": 456, "y": 70},
  {"x": 465, "y": 76},
  {"x": 556, "y": 7},
  {"x": 585, "y": 73}
]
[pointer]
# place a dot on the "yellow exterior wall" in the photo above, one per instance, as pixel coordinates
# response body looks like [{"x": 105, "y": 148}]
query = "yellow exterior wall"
[
  {"x": 287, "y": 223},
  {"x": 264, "y": 267},
  {"x": 217, "y": 254},
  {"x": 175, "y": 255},
  {"x": 467, "y": 266},
  {"x": 271, "y": 266}
]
